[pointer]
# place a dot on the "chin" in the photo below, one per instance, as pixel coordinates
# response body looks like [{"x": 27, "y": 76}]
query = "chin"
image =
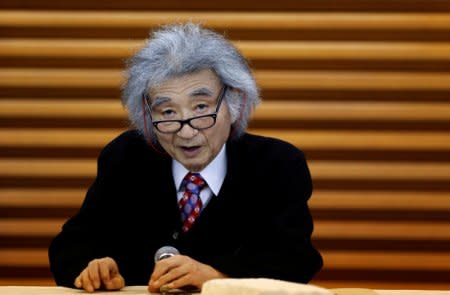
[
  {"x": 194, "y": 164},
  {"x": 194, "y": 167}
]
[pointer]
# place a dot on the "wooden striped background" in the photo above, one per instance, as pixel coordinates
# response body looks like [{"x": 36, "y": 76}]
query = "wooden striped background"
[{"x": 362, "y": 86}]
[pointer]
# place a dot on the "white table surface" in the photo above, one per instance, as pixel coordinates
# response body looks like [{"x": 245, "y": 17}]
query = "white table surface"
[{"x": 142, "y": 290}]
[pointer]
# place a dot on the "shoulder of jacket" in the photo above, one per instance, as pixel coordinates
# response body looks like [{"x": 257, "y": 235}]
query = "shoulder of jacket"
[{"x": 271, "y": 145}]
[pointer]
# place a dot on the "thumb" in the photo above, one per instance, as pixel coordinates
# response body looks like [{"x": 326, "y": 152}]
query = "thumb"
[{"x": 115, "y": 283}]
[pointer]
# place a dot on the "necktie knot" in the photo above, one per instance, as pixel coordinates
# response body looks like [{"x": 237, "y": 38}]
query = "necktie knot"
[
  {"x": 190, "y": 204},
  {"x": 193, "y": 182}
]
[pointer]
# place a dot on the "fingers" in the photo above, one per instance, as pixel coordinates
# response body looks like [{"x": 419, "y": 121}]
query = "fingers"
[
  {"x": 175, "y": 273},
  {"x": 77, "y": 282},
  {"x": 84, "y": 281},
  {"x": 116, "y": 283},
  {"x": 104, "y": 271},
  {"x": 163, "y": 266},
  {"x": 93, "y": 273},
  {"x": 185, "y": 280},
  {"x": 180, "y": 271},
  {"x": 162, "y": 269},
  {"x": 98, "y": 273}
]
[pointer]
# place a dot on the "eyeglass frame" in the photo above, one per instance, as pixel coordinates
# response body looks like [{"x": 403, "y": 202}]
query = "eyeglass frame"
[{"x": 188, "y": 120}]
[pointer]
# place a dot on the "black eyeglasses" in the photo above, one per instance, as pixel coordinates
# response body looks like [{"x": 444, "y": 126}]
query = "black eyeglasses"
[{"x": 199, "y": 122}]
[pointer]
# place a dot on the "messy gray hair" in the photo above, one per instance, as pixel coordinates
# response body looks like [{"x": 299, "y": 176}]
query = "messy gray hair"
[{"x": 176, "y": 50}]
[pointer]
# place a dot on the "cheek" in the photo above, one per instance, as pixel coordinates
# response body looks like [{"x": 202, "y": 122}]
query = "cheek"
[
  {"x": 225, "y": 124},
  {"x": 220, "y": 135},
  {"x": 165, "y": 140}
]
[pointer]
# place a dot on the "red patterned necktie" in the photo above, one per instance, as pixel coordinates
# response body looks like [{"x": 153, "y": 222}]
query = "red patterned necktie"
[{"x": 190, "y": 204}]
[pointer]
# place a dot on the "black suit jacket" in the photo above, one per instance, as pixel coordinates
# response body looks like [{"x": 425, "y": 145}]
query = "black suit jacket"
[{"x": 259, "y": 225}]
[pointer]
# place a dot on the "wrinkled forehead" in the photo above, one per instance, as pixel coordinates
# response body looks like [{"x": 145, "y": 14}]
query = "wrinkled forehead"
[
  {"x": 168, "y": 77},
  {"x": 204, "y": 83}
]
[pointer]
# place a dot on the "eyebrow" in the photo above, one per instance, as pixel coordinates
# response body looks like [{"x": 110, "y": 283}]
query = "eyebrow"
[
  {"x": 202, "y": 92},
  {"x": 159, "y": 100}
]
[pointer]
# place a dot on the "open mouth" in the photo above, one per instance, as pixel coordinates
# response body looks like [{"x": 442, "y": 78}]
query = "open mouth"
[
  {"x": 191, "y": 151},
  {"x": 190, "y": 148}
]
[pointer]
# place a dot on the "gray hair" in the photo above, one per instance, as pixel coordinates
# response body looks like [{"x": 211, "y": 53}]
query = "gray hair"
[{"x": 176, "y": 50}]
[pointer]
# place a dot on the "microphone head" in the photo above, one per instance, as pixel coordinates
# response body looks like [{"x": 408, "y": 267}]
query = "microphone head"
[{"x": 165, "y": 252}]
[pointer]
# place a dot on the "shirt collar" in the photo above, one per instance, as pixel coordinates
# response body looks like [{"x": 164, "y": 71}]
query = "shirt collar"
[{"x": 214, "y": 173}]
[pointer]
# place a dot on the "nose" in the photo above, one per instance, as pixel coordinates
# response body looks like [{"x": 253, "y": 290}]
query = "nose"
[{"x": 187, "y": 132}]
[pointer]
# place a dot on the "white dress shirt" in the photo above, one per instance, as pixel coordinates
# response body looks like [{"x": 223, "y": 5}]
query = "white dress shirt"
[{"x": 213, "y": 174}]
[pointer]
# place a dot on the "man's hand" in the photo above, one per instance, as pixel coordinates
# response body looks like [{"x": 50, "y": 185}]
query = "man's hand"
[
  {"x": 102, "y": 272},
  {"x": 179, "y": 271}
]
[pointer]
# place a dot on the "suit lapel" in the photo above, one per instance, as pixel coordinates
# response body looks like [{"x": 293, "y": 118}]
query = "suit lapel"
[
  {"x": 229, "y": 194},
  {"x": 165, "y": 194}
]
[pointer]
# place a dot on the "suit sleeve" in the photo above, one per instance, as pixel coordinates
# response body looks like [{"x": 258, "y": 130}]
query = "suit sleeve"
[
  {"x": 281, "y": 246},
  {"x": 80, "y": 240}
]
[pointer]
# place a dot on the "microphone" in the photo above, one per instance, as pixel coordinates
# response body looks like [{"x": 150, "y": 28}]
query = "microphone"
[{"x": 165, "y": 252}]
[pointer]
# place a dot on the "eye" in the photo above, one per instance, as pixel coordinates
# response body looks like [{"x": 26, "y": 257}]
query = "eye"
[
  {"x": 201, "y": 107},
  {"x": 167, "y": 113}
]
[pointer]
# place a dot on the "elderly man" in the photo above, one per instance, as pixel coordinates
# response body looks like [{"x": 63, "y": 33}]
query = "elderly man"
[{"x": 188, "y": 176}]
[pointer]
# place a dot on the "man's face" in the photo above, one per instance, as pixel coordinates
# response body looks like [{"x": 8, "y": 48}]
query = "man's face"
[{"x": 184, "y": 97}]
